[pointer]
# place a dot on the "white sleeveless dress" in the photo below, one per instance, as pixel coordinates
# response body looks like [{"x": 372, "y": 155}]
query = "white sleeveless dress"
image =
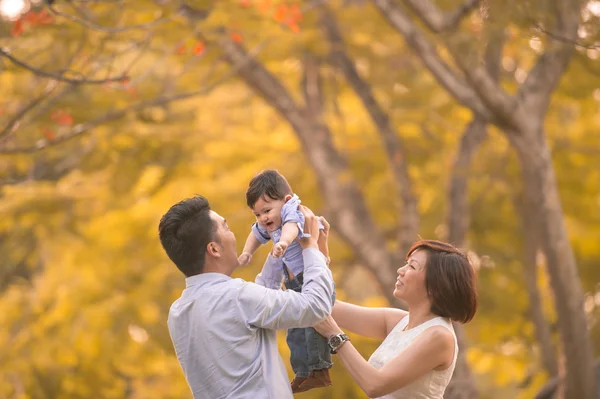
[{"x": 430, "y": 386}]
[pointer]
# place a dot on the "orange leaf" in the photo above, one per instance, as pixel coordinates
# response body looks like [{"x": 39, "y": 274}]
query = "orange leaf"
[
  {"x": 199, "y": 48},
  {"x": 18, "y": 28},
  {"x": 236, "y": 37},
  {"x": 180, "y": 50},
  {"x": 264, "y": 6},
  {"x": 281, "y": 13},
  {"x": 296, "y": 13},
  {"x": 48, "y": 133},
  {"x": 31, "y": 17},
  {"x": 293, "y": 26},
  {"x": 62, "y": 117},
  {"x": 245, "y": 3},
  {"x": 65, "y": 120},
  {"x": 45, "y": 18}
]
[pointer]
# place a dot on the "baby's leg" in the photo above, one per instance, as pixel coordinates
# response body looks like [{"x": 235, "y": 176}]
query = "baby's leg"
[
  {"x": 319, "y": 355},
  {"x": 298, "y": 355}
]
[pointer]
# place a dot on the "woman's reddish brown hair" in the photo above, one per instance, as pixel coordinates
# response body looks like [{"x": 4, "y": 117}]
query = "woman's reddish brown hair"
[{"x": 449, "y": 280}]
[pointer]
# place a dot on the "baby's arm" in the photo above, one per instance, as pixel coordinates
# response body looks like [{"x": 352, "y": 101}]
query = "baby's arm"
[
  {"x": 252, "y": 244},
  {"x": 289, "y": 232}
]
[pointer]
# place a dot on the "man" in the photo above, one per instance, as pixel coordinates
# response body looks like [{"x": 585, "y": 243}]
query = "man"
[{"x": 223, "y": 329}]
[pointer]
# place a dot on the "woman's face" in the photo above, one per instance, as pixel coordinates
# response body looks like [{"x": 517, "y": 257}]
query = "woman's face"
[{"x": 410, "y": 285}]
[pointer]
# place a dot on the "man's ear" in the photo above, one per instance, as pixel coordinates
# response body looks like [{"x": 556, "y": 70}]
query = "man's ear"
[{"x": 213, "y": 249}]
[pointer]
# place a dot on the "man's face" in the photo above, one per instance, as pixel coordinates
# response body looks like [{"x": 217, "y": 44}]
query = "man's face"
[
  {"x": 225, "y": 238},
  {"x": 268, "y": 212}
]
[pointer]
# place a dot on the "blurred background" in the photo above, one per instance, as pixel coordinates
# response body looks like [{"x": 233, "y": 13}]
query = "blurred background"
[{"x": 475, "y": 122}]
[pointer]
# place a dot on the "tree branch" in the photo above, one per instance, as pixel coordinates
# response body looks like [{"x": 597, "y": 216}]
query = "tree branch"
[
  {"x": 444, "y": 74},
  {"x": 392, "y": 142},
  {"x": 118, "y": 114},
  {"x": 545, "y": 75},
  {"x": 13, "y": 124},
  {"x": 498, "y": 103},
  {"x": 90, "y": 25},
  {"x": 558, "y": 37},
  {"x": 438, "y": 21},
  {"x": 345, "y": 203},
  {"x": 312, "y": 87},
  {"x": 39, "y": 72}
]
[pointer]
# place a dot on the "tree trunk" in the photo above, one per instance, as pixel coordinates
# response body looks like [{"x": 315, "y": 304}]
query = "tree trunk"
[
  {"x": 542, "y": 194},
  {"x": 462, "y": 385},
  {"x": 408, "y": 224},
  {"x": 530, "y": 250},
  {"x": 345, "y": 203},
  {"x": 458, "y": 209}
]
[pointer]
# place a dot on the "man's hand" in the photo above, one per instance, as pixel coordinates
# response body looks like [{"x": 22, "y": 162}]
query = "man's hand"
[
  {"x": 327, "y": 327},
  {"x": 326, "y": 226},
  {"x": 311, "y": 226},
  {"x": 244, "y": 258},
  {"x": 323, "y": 243},
  {"x": 279, "y": 249}
]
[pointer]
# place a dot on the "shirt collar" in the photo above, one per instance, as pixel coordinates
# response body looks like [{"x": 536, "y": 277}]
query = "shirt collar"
[{"x": 203, "y": 278}]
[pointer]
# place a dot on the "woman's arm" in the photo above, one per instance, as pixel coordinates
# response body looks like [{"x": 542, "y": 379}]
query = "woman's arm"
[
  {"x": 368, "y": 322},
  {"x": 433, "y": 349}
]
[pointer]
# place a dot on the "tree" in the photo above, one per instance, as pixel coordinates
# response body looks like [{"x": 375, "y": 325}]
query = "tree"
[
  {"x": 521, "y": 117},
  {"x": 365, "y": 118}
]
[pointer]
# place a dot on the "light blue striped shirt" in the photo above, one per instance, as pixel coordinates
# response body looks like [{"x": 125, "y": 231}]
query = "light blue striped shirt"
[{"x": 223, "y": 329}]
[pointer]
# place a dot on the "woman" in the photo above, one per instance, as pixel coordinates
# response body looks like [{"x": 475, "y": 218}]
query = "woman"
[{"x": 419, "y": 349}]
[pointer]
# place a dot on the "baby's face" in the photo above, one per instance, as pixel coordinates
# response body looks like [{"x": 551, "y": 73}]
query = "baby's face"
[{"x": 268, "y": 213}]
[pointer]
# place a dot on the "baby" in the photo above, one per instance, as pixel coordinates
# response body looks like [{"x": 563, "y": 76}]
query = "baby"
[{"x": 278, "y": 218}]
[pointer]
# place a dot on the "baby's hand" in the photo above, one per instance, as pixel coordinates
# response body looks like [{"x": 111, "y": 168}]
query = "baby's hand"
[
  {"x": 279, "y": 249},
  {"x": 244, "y": 258}
]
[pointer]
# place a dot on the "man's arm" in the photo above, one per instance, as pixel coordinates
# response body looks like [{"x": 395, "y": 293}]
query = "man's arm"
[
  {"x": 275, "y": 309},
  {"x": 271, "y": 274}
]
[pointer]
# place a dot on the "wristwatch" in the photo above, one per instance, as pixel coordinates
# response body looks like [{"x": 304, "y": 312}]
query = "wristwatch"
[{"x": 336, "y": 341}]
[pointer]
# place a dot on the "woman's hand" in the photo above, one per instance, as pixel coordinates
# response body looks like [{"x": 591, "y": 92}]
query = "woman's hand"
[{"x": 327, "y": 327}]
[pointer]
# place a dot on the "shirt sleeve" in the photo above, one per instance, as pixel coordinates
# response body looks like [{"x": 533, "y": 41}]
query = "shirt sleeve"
[
  {"x": 262, "y": 307},
  {"x": 291, "y": 214},
  {"x": 271, "y": 275},
  {"x": 260, "y": 233}
]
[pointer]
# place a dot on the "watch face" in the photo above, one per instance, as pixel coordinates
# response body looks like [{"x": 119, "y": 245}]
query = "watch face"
[{"x": 335, "y": 341}]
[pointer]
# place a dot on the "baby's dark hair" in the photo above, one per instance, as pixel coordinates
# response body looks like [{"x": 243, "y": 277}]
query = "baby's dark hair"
[{"x": 269, "y": 183}]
